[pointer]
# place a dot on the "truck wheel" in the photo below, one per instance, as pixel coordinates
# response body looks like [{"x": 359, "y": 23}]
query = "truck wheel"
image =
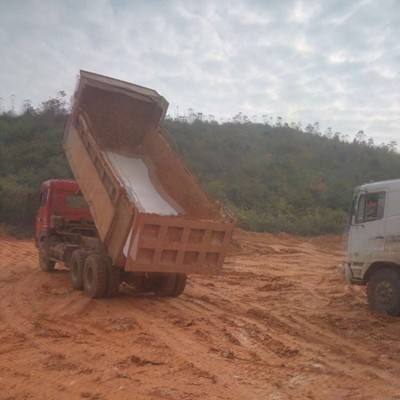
[
  {"x": 170, "y": 285},
  {"x": 45, "y": 263},
  {"x": 164, "y": 285},
  {"x": 143, "y": 285},
  {"x": 76, "y": 269},
  {"x": 383, "y": 291},
  {"x": 113, "y": 281},
  {"x": 95, "y": 276},
  {"x": 180, "y": 284}
]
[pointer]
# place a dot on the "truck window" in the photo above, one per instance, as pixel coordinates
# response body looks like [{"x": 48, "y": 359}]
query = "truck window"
[
  {"x": 76, "y": 201},
  {"x": 370, "y": 207}
]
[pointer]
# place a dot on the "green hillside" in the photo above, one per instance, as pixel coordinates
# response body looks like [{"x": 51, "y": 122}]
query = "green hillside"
[
  {"x": 30, "y": 153},
  {"x": 280, "y": 178},
  {"x": 272, "y": 177}
]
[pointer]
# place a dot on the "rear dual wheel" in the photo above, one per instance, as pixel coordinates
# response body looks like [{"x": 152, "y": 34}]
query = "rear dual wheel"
[
  {"x": 113, "y": 280},
  {"x": 170, "y": 285},
  {"x": 77, "y": 264},
  {"x": 100, "y": 277}
]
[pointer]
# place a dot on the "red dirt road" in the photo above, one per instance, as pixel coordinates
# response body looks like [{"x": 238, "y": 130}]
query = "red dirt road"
[{"x": 280, "y": 323}]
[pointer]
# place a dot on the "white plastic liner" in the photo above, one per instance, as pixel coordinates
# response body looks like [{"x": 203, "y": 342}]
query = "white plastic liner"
[{"x": 134, "y": 175}]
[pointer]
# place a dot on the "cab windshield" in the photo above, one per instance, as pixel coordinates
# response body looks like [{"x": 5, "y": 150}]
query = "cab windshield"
[{"x": 368, "y": 207}]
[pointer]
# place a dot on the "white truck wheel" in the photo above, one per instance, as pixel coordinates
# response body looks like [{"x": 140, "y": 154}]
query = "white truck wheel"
[{"x": 383, "y": 291}]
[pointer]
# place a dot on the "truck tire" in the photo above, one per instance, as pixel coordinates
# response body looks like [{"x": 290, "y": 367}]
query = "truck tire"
[
  {"x": 383, "y": 291},
  {"x": 164, "y": 285},
  {"x": 180, "y": 284},
  {"x": 113, "y": 281},
  {"x": 143, "y": 285},
  {"x": 95, "y": 276},
  {"x": 45, "y": 263},
  {"x": 76, "y": 268},
  {"x": 169, "y": 285}
]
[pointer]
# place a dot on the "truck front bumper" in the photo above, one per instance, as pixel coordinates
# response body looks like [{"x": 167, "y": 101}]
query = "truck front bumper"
[{"x": 350, "y": 277}]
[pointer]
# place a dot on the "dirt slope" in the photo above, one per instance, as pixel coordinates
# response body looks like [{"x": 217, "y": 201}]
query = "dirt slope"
[{"x": 280, "y": 323}]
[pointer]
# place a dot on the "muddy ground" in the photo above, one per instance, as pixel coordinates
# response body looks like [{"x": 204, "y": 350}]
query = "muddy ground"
[{"x": 280, "y": 323}]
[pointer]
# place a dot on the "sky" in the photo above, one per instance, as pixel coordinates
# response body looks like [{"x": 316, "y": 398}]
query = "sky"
[{"x": 336, "y": 62}]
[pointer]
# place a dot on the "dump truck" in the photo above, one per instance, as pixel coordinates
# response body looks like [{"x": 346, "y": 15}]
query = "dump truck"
[
  {"x": 134, "y": 213},
  {"x": 373, "y": 256}
]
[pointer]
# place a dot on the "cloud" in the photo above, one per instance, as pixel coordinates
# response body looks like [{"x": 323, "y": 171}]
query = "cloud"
[{"x": 335, "y": 61}]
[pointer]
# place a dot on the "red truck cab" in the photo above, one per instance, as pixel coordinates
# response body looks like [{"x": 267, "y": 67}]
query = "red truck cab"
[
  {"x": 66, "y": 234},
  {"x": 63, "y": 199}
]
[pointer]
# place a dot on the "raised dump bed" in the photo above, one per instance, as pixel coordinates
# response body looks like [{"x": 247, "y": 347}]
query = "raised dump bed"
[{"x": 150, "y": 213}]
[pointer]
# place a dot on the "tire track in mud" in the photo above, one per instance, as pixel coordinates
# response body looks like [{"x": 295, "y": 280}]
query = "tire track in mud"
[
  {"x": 279, "y": 323},
  {"x": 287, "y": 331},
  {"x": 197, "y": 344},
  {"x": 310, "y": 334},
  {"x": 25, "y": 317},
  {"x": 30, "y": 320},
  {"x": 328, "y": 340},
  {"x": 32, "y": 312}
]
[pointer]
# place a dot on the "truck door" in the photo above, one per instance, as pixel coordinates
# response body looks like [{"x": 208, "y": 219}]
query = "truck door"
[
  {"x": 367, "y": 229},
  {"x": 42, "y": 216},
  {"x": 392, "y": 217}
]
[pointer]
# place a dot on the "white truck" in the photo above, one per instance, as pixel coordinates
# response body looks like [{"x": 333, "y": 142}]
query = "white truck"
[{"x": 374, "y": 244}]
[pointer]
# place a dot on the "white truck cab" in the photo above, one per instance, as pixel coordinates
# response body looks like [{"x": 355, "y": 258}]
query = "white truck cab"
[{"x": 373, "y": 256}]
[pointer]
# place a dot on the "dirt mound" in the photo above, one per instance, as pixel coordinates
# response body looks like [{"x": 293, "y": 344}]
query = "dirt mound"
[{"x": 279, "y": 323}]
